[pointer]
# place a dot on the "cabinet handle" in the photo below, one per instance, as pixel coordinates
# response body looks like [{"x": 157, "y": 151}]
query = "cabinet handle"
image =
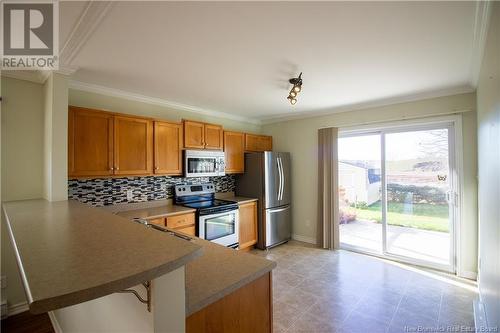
[
  {"x": 117, "y": 169},
  {"x": 156, "y": 168}
]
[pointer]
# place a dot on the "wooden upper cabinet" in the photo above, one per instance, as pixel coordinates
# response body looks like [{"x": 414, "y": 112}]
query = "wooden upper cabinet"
[
  {"x": 167, "y": 148},
  {"x": 133, "y": 153},
  {"x": 90, "y": 143},
  {"x": 234, "y": 151},
  {"x": 247, "y": 224},
  {"x": 213, "y": 136},
  {"x": 254, "y": 142},
  {"x": 194, "y": 134},
  {"x": 202, "y": 136}
]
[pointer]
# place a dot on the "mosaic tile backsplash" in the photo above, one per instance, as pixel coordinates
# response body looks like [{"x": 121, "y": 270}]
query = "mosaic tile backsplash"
[{"x": 110, "y": 191}]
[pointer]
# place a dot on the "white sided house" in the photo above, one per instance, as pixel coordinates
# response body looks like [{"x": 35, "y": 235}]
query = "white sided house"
[{"x": 361, "y": 181}]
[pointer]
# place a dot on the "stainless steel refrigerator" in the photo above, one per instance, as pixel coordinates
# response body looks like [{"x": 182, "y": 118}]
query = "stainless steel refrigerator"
[{"x": 267, "y": 177}]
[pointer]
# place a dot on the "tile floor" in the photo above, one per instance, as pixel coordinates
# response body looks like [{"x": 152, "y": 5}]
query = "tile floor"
[{"x": 317, "y": 290}]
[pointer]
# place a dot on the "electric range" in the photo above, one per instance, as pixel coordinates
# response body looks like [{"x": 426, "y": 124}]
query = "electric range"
[{"x": 216, "y": 220}]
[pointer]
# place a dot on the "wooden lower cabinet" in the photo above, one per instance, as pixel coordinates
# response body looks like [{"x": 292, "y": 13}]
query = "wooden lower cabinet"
[
  {"x": 184, "y": 223},
  {"x": 248, "y": 309},
  {"x": 248, "y": 225},
  {"x": 160, "y": 221}
]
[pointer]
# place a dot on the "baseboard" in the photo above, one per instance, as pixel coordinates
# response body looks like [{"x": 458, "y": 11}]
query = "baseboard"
[
  {"x": 17, "y": 308},
  {"x": 55, "y": 323},
  {"x": 480, "y": 322},
  {"x": 468, "y": 275},
  {"x": 304, "y": 239}
]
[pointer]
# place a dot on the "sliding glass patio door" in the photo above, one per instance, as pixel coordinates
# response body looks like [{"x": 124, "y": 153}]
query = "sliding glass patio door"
[{"x": 397, "y": 193}]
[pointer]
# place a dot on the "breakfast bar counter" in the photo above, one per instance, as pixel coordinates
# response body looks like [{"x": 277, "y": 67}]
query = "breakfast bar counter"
[{"x": 69, "y": 253}]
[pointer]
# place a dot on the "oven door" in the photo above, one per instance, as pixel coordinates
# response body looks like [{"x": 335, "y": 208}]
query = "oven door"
[{"x": 221, "y": 228}]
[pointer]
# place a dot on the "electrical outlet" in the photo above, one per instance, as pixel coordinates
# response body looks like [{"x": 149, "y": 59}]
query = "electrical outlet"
[
  {"x": 130, "y": 195},
  {"x": 3, "y": 281}
]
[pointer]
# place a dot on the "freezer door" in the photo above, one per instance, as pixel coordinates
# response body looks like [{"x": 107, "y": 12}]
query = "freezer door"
[
  {"x": 272, "y": 180},
  {"x": 285, "y": 182},
  {"x": 278, "y": 226}
]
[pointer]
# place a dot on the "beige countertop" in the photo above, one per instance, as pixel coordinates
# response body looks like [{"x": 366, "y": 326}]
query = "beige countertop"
[
  {"x": 69, "y": 253},
  {"x": 219, "y": 272},
  {"x": 156, "y": 212},
  {"x": 163, "y": 208},
  {"x": 230, "y": 196}
]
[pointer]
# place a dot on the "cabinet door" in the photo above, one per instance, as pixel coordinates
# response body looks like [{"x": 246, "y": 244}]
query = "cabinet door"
[
  {"x": 234, "y": 151},
  {"x": 90, "y": 143},
  {"x": 180, "y": 221},
  {"x": 248, "y": 224},
  {"x": 133, "y": 146},
  {"x": 159, "y": 221},
  {"x": 190, "y": 231},
  {"x": 213, "y": 136},
  {"x": 258, "y": 143},
  {"x": 265, "y": 143},
  {"x": 194, "y": 134},
  {"x": 167, "y": 148}
]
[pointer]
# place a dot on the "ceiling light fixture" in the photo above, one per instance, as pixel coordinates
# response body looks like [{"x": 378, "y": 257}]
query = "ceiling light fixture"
[{"x": 297, "y": 87}]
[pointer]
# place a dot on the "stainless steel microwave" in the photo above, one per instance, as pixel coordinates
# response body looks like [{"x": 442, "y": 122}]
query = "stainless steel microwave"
[{"x": 204, "y": 163}]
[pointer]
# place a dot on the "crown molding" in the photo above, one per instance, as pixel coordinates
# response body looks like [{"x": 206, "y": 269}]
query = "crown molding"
[
  {"x": 32, "y": 76},
  {"x": 480, "y": 32},
  {"x": 37, "y": 76},
  {"x": 370, "y": 104},
  {"x": 93, "y": 88},
  {"x": 90, "y": 19}
]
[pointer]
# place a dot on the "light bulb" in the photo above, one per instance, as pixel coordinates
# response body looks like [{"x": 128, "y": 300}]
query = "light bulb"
[
  {"x": 293, "y": 101},
  {"x": 296, "y": 89},
  {"x": 293, "y": 93}
]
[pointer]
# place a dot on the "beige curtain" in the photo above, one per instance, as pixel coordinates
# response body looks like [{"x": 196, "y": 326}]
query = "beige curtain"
[{"x": 328, "y": 202}]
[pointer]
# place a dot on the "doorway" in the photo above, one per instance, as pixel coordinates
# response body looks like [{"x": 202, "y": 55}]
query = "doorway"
[{"x": 397, "y": 193}]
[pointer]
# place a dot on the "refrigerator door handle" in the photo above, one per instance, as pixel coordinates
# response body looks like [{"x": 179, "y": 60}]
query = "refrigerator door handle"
[
  {"x": 280, "y": 177},
  {"x": 277, "y": 210}
]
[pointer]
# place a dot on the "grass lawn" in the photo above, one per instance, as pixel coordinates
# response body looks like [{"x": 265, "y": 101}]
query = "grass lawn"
[{"x": 425, "y": 216}]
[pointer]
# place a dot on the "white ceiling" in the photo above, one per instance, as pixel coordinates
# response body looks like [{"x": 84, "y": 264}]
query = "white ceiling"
[{"x": 237, "y": 57}]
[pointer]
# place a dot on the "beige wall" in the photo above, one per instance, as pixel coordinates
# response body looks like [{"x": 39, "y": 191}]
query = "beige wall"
[
  {"x": 115, "y": 104},
  {"x": 56, "y": 137},
  {"x": 22, "y": 162},
  {"x": 488, "y": 108},
  {"x": 300, "y": 138}
]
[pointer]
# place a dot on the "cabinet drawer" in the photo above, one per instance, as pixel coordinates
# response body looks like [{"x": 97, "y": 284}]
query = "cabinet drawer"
[
  {"x": 160, "y": 221},
  {"x": 179, "y": 221},
  {"x": 191, "y": 231}
]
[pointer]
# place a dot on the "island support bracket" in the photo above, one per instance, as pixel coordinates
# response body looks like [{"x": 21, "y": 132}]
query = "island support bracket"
[{"x": 146, "y": 301}]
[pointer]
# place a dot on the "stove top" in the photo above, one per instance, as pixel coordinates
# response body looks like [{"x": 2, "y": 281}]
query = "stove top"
[{"x": 208, "y": 204}]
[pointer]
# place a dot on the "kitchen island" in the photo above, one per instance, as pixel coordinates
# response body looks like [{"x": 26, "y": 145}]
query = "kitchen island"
[
  {"x": 74, "y": 259},
  {"x": 224, "y": 287}
]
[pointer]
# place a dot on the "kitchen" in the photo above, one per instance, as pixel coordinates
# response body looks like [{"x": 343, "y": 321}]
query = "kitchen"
[
  {"x": 205, "y": 167},
  {"x": 124, "y": 165}
]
